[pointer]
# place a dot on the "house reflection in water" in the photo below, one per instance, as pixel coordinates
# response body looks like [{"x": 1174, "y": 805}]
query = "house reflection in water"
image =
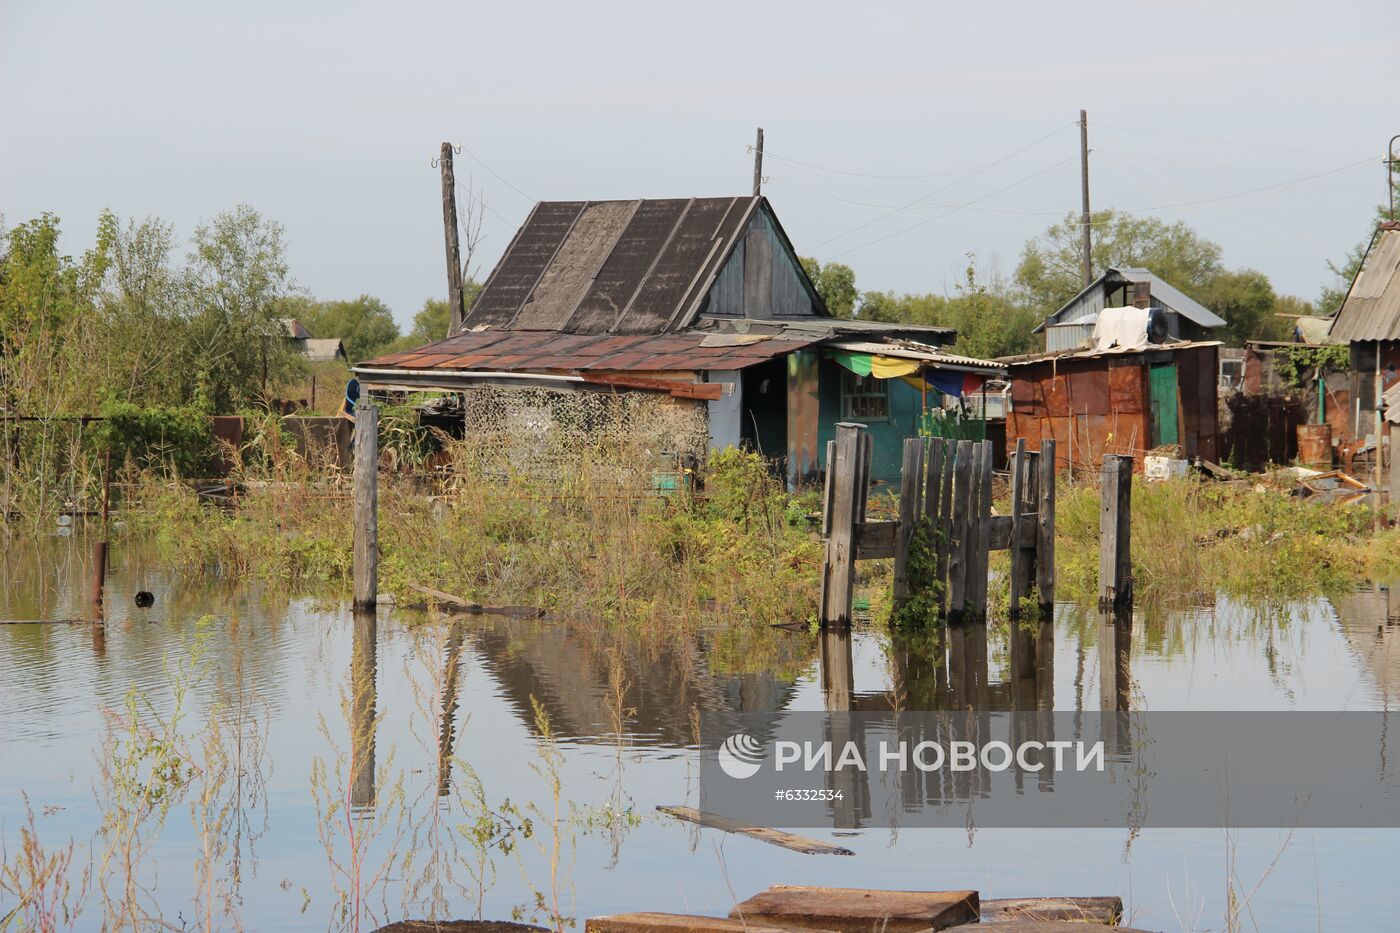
[{"x": 1370, "y": 621}]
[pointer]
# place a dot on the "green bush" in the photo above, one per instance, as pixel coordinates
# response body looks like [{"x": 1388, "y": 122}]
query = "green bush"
[{"x": 177, "y": 439}]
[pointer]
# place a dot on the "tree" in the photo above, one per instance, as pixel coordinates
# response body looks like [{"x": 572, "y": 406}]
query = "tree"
[
  {"x": 235, "y": 282},
  {"x": 1247, "y": 302},
  {"x": 1335, "y": 292},
  {"x": 988, "y": 319},
  {"x": 431, "y": 321},
  {"x": 364, "y": 324},
  {"x": 1051, "y": 270},
  {"x": 835, "y": 283}
]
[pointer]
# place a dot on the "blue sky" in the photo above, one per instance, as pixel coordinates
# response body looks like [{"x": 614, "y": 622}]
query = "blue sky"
[{"x": 325, "y": 116}]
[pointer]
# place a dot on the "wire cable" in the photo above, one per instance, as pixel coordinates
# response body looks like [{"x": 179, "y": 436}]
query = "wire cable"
[
  {"x": 1227, "y": 142},
  {"x": 497, "y": 175},
  {"x": 954, "y": 210},
  {"x": 967, "y": 177}
]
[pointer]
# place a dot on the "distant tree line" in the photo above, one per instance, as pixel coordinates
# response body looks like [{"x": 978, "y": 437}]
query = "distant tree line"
[{"x": 995, "y": 316}]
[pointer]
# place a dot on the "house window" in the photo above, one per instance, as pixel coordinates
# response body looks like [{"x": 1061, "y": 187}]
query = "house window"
[{"x": 864, "y": 397}]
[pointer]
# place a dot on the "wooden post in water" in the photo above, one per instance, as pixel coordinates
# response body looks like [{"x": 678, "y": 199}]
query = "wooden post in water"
[
  {"x": 911, "y": 490},
  {"x": 99, "y": 548},
  {"x": 981, "y": 562},
  {"x": 1045, "y": 530},
  {"x": 366, "y": 519},
  {"x": 364, "y": 667},
  {"x": 958, "y": 551},
  {"x": 1020, "y": 559},
  {"x": 1115, "y": 534},
  {"x": 845, "y": 507}
]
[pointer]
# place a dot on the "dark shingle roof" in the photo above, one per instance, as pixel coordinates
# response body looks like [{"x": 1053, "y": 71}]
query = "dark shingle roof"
[{"x": 619, "y": 267}]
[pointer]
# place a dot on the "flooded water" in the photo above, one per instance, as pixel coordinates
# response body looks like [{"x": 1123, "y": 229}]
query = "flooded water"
[{"x": 382, "y": 730}]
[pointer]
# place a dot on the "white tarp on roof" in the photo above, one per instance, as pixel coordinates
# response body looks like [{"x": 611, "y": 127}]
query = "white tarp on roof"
[{"x": 1122, "y": 329}]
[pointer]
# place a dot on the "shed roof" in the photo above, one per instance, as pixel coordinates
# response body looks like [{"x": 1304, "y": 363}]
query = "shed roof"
[
  {"x": 1170, "y": 295},
  {"x": 615, "y": 267},
  {"x": 1093, "y": 353},
  {"x": 1371, "y": 310},
  {"x": 545, "y": 352}
]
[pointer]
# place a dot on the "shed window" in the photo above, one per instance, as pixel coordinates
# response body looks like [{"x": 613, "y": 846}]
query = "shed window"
[{"x": 864, "y": 397}]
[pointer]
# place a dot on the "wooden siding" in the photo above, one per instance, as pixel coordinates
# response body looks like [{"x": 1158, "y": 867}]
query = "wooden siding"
[{"x": 761, "y": 279}]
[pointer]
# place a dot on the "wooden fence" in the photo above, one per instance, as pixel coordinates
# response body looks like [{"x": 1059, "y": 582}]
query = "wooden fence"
[{"x": 945, "y": 532}]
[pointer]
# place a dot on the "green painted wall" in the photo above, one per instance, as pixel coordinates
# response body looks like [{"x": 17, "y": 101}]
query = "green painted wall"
[{"x": 888, "y": 454}]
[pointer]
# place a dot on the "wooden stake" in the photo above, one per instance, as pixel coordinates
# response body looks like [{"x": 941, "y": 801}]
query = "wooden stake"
[
  {"x": 911, "y": 488},
  {"x": 959, "y": 549},
  {"x": 1045, "y": 530},
  {"x": 449, "y": 229},
  {"x": 1115, "y": 534},
  {"x": 1018, "y": 555},
  {"x": 846, "y": 504},
  {"x": 366, "y": 504}
]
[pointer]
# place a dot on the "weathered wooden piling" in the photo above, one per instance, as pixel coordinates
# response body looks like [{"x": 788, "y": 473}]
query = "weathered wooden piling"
[
  {"x": 911, "y": 492},
  {"x": 945, "y": 508},
  {"x": 366, "y": 505},
  {"x": 845, "y": 508},
  {"x": 1115, "y": 533},
  {"x": 364, "y": 668},
  {"x": 99, "y": 548},
  {"x": 1045, "y": 530}
]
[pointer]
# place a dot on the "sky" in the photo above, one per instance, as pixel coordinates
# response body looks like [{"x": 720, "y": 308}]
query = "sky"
[{"x": 900, "y": 138}]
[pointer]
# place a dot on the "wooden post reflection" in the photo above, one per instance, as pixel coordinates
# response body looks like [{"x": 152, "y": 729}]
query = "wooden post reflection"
[
  {"x": 918, "y": 674},
  {"x": 838, "y": 672},
  {"x": 447, "y": 729},
  {"x": 1115, "y": 679},
  {"x": 967, "y": 666},
  {"x": 363, "y": 667}
]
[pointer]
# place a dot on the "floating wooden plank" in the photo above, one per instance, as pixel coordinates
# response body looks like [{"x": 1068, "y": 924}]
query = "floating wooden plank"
[
  {"x": 859, "y": 910},
  {"x": 51, "y": 622},
  {"x": 459, "y": 605},
  {"x": 1046, "y": 926},
  {"x": 649, "y": 922},
  {"x": 762, "y": 833},
  {"x": 1104, "y": 910},
  {"x": 876, "y": 540}
]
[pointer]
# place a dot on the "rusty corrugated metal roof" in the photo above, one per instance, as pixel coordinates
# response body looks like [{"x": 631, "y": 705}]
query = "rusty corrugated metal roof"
[
  {"x": 545, "y": 352},
  {"x": 1371, "y": 310},
  {"x": 598, "y": 267}
]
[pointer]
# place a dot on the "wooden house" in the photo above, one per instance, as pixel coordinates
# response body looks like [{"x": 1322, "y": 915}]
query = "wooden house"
[
  {"x": 697, "y": 322},
  {"x": 1369, "y": 321},
  {"x": 1072, "y": 326}
]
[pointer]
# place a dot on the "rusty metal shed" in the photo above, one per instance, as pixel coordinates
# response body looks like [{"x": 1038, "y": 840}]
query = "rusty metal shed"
[{"x": 1101, "y": 402}]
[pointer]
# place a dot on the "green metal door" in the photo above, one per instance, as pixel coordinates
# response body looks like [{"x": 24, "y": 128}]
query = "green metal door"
[{"x": 1162, "y": 381}]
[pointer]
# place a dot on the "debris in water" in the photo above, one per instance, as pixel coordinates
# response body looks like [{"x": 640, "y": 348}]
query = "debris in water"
[{"x": 145, "y": 599}]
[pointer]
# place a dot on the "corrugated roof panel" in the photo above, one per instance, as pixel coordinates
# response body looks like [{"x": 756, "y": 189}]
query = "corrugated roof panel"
[{"x": 1371, "y": 310}]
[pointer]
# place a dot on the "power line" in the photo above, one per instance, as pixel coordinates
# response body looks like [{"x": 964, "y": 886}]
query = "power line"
[
  {"x": 1241, "y": 194},
  {"x": 769, "y": 154},
  {"x": 928, "y": 204},
  {"x": 1227, "y": 142},
  {"x": 1233, "y": 168},
  {"x": 497, "y": 174},
  {"x": 930, "y": 220},
  {"x": 951, "y": 184}
]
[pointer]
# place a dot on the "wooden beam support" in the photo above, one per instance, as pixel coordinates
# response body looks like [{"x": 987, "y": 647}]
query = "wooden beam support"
[
  {"x": 845, "y": 510},
  {"x": 1115, "y": 533},
  {"x": 366, "y": 498},
  {"x": 1045, "y": 530}
]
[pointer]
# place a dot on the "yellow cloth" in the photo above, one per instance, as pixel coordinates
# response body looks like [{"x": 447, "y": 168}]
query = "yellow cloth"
[{"x": 888, "y": 367}]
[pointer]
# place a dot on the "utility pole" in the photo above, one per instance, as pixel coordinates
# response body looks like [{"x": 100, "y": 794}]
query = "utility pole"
[
  {"x": 1084, "y": 221},
  {"x": 449, "y": 230},
  {"x": 758, "y": 163}
]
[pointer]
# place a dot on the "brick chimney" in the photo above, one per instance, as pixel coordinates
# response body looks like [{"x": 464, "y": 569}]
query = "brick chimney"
[{"x": 1142, "y": 294}]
